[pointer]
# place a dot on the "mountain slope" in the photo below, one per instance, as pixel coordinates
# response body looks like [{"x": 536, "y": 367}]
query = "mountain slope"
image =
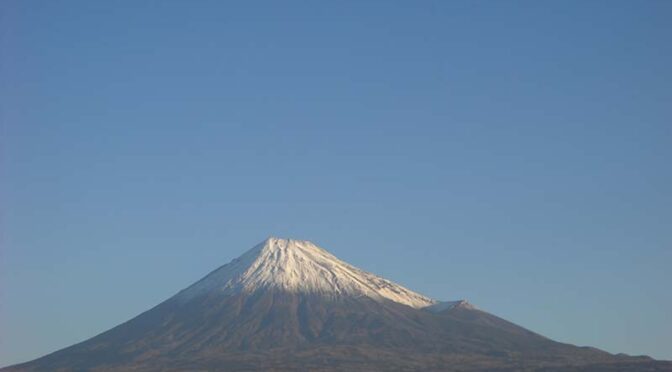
[{"x": 290, "y": 305}]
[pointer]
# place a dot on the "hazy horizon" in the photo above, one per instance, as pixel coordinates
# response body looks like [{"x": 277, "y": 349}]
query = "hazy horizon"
[{"x": 516, "y": 155}]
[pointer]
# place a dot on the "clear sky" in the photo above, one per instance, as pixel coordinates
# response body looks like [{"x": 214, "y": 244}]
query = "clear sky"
[{"x": 516, "y": 154}]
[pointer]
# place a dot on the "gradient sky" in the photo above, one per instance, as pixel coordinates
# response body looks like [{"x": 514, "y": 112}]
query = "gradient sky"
[{"x": 516, "y": 154}]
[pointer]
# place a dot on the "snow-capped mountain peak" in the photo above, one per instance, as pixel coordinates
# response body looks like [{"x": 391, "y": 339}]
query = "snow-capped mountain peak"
[{"x": 300, "y": 266}]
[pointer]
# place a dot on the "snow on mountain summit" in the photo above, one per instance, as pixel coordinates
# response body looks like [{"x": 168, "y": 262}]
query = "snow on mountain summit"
[{"x": 300, "y": 266}]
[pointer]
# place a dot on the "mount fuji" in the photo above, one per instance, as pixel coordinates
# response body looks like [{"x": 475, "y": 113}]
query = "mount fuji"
[{"x": 290, "y": 305}]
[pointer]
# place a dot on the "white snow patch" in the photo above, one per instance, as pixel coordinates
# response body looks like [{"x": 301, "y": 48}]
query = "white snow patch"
[
  {"x": 445, "y": 305},
  {"x": 300, "y": 266}
]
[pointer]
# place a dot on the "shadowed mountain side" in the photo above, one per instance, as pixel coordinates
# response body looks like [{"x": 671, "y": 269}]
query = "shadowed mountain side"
[{"x": 277, "y": 330}]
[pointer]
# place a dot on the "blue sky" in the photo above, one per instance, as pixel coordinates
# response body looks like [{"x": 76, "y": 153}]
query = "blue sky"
[{"x": 516, "y": 154}]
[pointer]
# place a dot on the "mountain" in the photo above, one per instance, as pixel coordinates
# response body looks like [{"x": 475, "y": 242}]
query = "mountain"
[{"x": 290, "y": 305}]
